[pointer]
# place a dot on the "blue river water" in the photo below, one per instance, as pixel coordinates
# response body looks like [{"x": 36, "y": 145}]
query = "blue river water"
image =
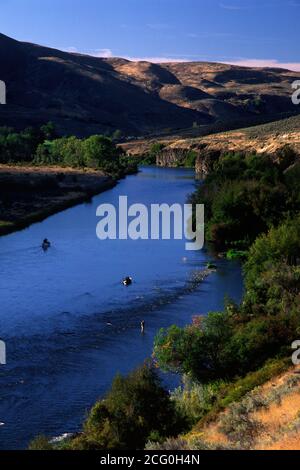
[{"x": 69, "y": 324}]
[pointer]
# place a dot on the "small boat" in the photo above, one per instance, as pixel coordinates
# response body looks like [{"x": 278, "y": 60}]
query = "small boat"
[
  {"x": 46, "y": 244},
  {"x": 127, "y": 281}
]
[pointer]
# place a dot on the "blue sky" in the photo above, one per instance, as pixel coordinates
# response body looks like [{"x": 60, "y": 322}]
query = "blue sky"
[{"x": 258, "y": 32}]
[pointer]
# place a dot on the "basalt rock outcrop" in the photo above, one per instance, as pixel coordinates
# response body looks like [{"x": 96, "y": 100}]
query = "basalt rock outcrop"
[
  {"x": 172, "y": 156},
  {"x": 205, "y": 161}
]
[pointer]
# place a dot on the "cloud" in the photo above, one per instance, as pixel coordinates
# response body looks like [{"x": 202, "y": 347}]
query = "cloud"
[
  {"x": 158, "y": 26},
  {"x": 71, "y": 49},
  {"x": 105, "y": 53},
  {"x": 240, "y": 61},
  {"x": 294, "y": 66},
  {"x": 261, "y": 4},
  {"x": 232, "y": 7},
  {"x": 155, "y": 60},
  {"x": 204, "y": 35}
]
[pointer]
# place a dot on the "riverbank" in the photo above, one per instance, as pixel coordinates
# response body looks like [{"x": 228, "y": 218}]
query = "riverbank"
[
  {"x": 235, "y": 394},
  {"x": 274, "y": 139},
  {"x": 269, "y": 415},
  {"x": 68, "y": 322},
  {"x": 31, "y": 194}
]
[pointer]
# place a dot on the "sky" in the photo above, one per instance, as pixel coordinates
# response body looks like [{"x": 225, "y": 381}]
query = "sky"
[{"x": 246, "y": 32}]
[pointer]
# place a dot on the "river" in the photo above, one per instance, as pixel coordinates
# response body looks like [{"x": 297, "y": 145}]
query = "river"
[{"x": 68, "y": 323}]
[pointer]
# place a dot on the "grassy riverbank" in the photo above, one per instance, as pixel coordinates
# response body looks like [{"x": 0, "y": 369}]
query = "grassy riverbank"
[
  {"x": 41, "y": 174},
  {"x": 235, "y": 363},
  {"x": 252, "y": 207},
  {"x": 30, "y": 194}
]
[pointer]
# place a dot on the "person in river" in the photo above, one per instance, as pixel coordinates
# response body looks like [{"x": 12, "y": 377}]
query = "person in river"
[
  {"x": 143, "y": 324},
  {"x": 46, "y": 244},
  {"x": 127, "y": 281}
]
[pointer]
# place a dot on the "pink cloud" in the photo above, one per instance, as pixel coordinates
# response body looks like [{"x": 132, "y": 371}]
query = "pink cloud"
[
  {"x": 242, "y": 62},
  {"x": 294, "y": 66}
]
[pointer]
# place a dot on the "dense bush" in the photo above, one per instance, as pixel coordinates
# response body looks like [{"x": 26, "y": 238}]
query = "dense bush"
[
  {"x": 40, "y": 146},
  {"x": 94, "y": 152},
  {"x": 135, "y": 410},
  {"x": 240, "y": 426},
  {"x": 17, "y": 147},
  {"x": 239, "y": 339},
  {"x": 40, "y": 443},
  {"x": 245, "y": 195},
  {"x": 150, "y": 157},
  {"x": 194, "y": 399}
]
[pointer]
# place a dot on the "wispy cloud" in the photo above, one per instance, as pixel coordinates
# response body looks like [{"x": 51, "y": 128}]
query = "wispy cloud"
[
  {"x": 261, "y": 4},
  {"x": 155, "y": 60},
  {"x": 212, "y": 34},
  {"x": 158, "y": 26},
  {"x": 71, "y": 49},
  {"x": 294, "y": 66},
  {"x": 239, "y": 61},
  {"x": 226, "y": 6},
  {"x": 105, "y": 53}
]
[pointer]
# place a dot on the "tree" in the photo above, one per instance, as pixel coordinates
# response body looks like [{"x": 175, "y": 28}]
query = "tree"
[
  {"x": 99, "y": 150},
  {"x": 136, "y": 407},
  {"x": 48, "y": 130}
]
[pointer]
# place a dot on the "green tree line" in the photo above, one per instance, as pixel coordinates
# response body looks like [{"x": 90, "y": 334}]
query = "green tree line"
[
  {"x": 252, "y": 203},
  {"x": 41, "y": 146}
]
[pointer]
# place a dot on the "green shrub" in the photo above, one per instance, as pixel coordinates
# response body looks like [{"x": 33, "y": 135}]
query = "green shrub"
[
  {"x": 239, "y": 426},
  {"x": 280, "y": 246},
  {"x": 194, "y": 400},
  {"x": 234, "y": 254},
  {"x": 190, "y": 159},
  {"x": 20, "y": 147},
  {"x": 239, "y": 340},
  {"x": 40, "y": 443},
  {"x": 97, "y": 152},
  {"x": 236, "y": 390},
  {"x": 133, "y": 411},
  {"x": 170, "y": 444}
]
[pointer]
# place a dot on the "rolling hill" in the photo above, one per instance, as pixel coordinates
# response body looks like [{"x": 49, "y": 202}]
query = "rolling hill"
[{"x": 85, "y": 95}]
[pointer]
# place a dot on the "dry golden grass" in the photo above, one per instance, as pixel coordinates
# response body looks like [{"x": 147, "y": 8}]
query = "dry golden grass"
[
  {"x": 47, "y": 170},
  {"x": 247, "y": 140},
  {"x": 278, "y": 420}
]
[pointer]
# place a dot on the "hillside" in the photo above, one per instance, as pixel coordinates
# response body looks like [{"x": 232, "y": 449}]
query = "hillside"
[
  {"x": 267, "y": 138},
  {"x": 85, "y": 95},
  {"x": 265, "y": 419}
]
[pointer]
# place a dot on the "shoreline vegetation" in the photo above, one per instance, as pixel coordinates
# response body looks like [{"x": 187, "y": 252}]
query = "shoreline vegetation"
[
  {"x": 42, "y": 174},
  {"x": 227, "y": 359},
  {"x": 235, "y": 364},
  {"x": 39, "y": 192}
]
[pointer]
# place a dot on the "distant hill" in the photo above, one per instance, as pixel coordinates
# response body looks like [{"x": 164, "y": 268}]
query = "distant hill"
[
  {"x": 85, "y": 95},
  {"x": 267, "y": 138}
]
